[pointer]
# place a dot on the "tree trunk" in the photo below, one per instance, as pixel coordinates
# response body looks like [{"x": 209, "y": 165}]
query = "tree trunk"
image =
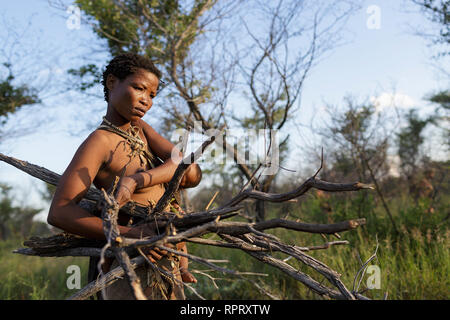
[
  {"x": 260, "y": 209},
  {"x": 186, "y": 202}
]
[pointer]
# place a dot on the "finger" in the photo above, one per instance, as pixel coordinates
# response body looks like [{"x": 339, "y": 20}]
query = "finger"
[
  {"x": 152, "y": 255},
  {"x": 147, "y": 255},
  {"x": 122, "y": 202},
  {"x": 168, "y": 245},
  {"x": 155, "y": 255},
  {"x": 119, "y": 198},
  {"x": 151, "y": 259},
  {"x": 159, "y": 251},
  {"x": 189, "y": 278},
  {"x": 122, "y": 199}
]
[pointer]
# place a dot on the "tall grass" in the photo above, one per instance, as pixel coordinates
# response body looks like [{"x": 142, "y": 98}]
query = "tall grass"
[
  {"x": 414, "y": 269},
  {"x": 35, "y": 278},
  {"x": 414, "y": 264}
]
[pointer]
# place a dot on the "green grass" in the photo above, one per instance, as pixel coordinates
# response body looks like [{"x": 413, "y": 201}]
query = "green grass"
[
  {"x": 35, "y": 278},
  {"x": 414, "y": 269},
  {"x": 413, "y": 265}
]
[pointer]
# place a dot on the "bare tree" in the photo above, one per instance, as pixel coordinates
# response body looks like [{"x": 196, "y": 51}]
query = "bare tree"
[
  {"x": 27, "y": 78},
  {"x": 360, "y": 135},
  {"x": 438, "y": 12},
  {"x": 286, "y": 39},
  {"x": 208, "y": 60}
]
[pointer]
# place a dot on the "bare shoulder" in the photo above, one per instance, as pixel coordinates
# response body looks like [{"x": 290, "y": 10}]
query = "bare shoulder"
[
  {"x": 144, "y": 125},
  {"x": 160, "y": 145},
  {"x": 94, "y": 148},
  {"x": 84, "y": 166},
  {"x": 99, "y": 140},
  {"x": 99, "y": 136}
]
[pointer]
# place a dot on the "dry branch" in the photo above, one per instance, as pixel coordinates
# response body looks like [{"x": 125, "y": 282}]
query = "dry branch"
[
  {"x": 106, "y": 280},
  {"x": 245, "y": 236},
  {"x": 60, "y": 242},
  {"x": 110, "y": 214},
  {"x": 308, "y": 184},
  {"x": 73, "y": 252},
  {"x": 320, "y": 267},
  {"x": 179, "y": 172},
  {"x": 291, "y": 271}
]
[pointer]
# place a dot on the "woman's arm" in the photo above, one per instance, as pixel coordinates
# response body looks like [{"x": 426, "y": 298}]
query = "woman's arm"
[
  {"x": 164, "y": 173},
  {"x": 64, "y": 212}
]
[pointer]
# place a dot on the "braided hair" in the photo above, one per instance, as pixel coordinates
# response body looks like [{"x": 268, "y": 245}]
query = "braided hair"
[{"x": 125, "y": 64}]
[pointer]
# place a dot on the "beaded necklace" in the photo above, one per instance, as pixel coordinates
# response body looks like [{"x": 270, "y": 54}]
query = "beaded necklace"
[
  {"x": 131, "y": 136},
  {"x": 137, "y": 146}
]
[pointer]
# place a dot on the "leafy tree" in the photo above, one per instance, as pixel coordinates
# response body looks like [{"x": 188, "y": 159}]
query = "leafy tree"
[
  {"x": 190, "y": 42},
  {"x": 13, "y": 97},
  {"x": 25, "y": 76},
  {"x": 437, "y": 11},
  {"x": 441, "y": 117},
  {"x": 18, "y": 221},
  {"x": 358, "y": 141},
  {"x": 409, "y": 140},
  {"x": 442, "y": 99}
]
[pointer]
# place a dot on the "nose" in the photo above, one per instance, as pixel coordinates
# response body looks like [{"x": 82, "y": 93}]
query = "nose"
[{"x": 147, "y": 102}]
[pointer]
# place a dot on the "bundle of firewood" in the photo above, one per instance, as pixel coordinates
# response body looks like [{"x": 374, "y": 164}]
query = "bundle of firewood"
[{"x": 250, "y": 237}]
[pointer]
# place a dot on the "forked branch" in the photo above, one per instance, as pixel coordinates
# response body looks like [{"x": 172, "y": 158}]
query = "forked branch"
[{"x": 248, "y": 237}]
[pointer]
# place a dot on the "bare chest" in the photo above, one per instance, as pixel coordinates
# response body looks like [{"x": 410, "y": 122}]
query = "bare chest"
[{"x": 122, "y": 160}]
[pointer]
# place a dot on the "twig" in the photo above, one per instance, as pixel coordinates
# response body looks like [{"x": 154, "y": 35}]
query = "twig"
[
  {"x": 321, "y": 165},
  {"x": 212, "y": 200},
  {"x": 106, "y": 280},
  {"x": 363, "y": 269},
  {"x": 208, "y": 276},
  {"x": 308, "y": 184},
  {"x": 326, "y": 245},
  {"x": 320, "y": 267},
  {"x": 109, "y": 215},
  {"x": 179, "y": 172},
  {"x": 194, "y": 291},
  {"x": 199, "y": 260}
]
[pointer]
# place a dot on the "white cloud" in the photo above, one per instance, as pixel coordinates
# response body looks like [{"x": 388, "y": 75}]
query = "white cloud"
[{"x": 391, "y": 100}]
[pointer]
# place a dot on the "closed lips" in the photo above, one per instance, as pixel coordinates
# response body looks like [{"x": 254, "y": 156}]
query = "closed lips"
[{"x": 139, "y": 110}]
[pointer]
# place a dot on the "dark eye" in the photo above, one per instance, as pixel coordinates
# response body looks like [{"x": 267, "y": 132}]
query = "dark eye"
[{"x": 139, "y": 88}]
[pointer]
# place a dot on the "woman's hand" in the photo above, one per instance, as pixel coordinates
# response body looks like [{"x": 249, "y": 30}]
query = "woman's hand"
[
  {"x": 145, "y": 231},
  {"x": 186, "y": 276},
  {"x": 125, "y": 189},
  {"x": 154, "y": 254}
]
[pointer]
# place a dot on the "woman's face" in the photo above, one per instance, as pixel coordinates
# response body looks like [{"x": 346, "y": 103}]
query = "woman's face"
[{"x": 133, "y": 96}]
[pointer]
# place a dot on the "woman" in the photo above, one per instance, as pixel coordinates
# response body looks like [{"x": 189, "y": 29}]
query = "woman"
[{"x": 123, "y": 146}]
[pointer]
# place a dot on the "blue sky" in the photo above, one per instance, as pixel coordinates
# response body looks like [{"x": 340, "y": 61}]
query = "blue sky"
[{"x": 371, "y": 64}]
